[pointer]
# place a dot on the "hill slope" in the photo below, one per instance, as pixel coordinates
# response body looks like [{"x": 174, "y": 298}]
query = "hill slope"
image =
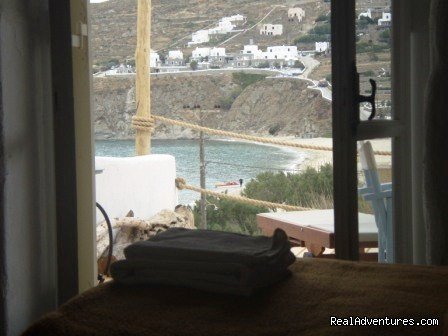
[
  {"x": 173, "y": 22},
  {"x": 285, "y": 104}
]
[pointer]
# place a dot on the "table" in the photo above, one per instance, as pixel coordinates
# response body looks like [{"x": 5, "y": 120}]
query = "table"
[{"x": 315, "y": 230}]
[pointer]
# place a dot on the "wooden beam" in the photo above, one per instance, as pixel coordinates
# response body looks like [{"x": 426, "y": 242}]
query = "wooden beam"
[{"x": 143, "y": 80}]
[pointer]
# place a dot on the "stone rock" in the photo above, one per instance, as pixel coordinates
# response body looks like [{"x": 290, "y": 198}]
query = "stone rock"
[{"x": 128, "y": 230}]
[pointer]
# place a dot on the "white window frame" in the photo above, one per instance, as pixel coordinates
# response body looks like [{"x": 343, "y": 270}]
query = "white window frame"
[{"x": 347, "y": 130}]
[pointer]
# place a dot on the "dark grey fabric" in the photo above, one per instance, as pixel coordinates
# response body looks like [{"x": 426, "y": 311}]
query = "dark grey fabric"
[
  {"x": 208, "y": 260},
  {"x": 435, "y": 188},
  {"x": 210, "y": 246}
]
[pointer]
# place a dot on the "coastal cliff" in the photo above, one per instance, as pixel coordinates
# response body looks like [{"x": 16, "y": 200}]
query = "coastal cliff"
[{"x": 280, "y": 106}]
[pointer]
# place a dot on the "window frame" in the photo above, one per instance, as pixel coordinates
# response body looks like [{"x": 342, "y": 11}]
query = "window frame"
[{"x": 347, "y": 130}]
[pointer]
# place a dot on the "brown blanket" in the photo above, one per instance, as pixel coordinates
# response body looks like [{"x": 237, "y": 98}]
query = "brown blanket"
[{"x": 301, "y": 305}]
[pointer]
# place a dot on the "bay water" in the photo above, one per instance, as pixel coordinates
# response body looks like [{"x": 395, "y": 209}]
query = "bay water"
[{"x": 226, "y": 161}]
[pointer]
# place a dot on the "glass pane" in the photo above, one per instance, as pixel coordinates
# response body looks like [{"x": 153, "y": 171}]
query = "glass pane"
[
  {"x": 375, "y": 200},
  {"x": 373, "y": 52}
]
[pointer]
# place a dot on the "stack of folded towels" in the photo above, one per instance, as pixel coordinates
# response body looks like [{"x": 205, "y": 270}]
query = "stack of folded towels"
[{"x": 208, "y": 260}]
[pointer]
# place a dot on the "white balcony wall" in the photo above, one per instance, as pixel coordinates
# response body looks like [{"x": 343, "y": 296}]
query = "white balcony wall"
[{"x": 143, "y": 184}]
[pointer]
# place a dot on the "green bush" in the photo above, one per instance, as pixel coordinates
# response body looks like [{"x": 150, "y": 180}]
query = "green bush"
[
  {"x": 385, "y": 36},
  {"x": 244, "y": 79},
  {"x": 263, "y": 65},
  {"x": 298, "y": 65},
  {"x": 273, "y": 130},
  {"x": 227, "y": 102},
  {"x": 364, "y": 21},
  {"x": 231, "y": 216},
  {"x": 310, "y": 188},
  {"x": 322, "y": 18},
  {"x": 194, "y": 65},
  {"x": 324, "y": 29}
]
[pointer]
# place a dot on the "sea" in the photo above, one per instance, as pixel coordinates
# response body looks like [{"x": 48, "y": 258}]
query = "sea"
[{"x": 226, "y": 161}]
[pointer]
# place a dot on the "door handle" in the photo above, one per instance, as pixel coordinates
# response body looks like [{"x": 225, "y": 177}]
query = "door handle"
[{"x": 369, "y": 99}]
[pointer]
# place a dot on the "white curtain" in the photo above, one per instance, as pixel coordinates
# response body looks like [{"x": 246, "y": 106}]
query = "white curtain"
[{"x": 435, "y": 186}]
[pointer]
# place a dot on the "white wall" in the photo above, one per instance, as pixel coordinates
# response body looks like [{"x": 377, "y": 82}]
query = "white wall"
[
  {"x": 144, "y": 184},
  {"x": 200, "y": 52},
  {"x": 272, "y": 29},
  {"x": 175, "y": 54}
]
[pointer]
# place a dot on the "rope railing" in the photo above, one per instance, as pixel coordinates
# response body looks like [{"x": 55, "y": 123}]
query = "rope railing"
[
  {"x": 147, "y": 124},
  {"x": 181, "y": 184}
]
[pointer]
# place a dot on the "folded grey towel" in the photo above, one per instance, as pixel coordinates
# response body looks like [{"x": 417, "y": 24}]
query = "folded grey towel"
[
  {"x": 213, "y": 277},
  {"x": 211, "y": 246},
  {"x": 209, "y": 260}
]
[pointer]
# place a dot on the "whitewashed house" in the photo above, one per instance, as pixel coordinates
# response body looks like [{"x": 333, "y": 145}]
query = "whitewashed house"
[
  {"x": 154, "y": 59},
  {"x": 199, "y": 37},
  {"x": 218, "y": 57},
  {"x": 322, "y": 46},
  {"x": 296, "y": 13},
  {"x": 367, "y": 14},
  {"x": 237, "y": 17},
  {"x": 252, "y": 51},
  {"x": 218, "y": 52},
  {"x": 199, "y": 53},
  {"x": 225, "y": 26},
  {"x": 271, "y": 29},
  {"x": 175, "y": 58},
  {"x": 386, "y": 20},
  {"x": 287, "y": 53}
]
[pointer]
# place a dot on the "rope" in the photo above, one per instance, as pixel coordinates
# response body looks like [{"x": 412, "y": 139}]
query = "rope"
[
  {"x": 238, "y": 135},
  {"x": 143, "y": 124},
  {"x": 146, "y": 124},
  {"x": 182, "y": 184},
  {"x": 250, "y": 137}
]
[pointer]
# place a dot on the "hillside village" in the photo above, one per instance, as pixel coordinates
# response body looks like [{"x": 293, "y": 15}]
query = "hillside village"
[
  {"x": 274, "y": 40},
  {"x": 205, "y": 56}
]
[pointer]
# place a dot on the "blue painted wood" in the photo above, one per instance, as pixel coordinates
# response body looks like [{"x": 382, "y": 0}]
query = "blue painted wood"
[{"x": 380, "y": 196}]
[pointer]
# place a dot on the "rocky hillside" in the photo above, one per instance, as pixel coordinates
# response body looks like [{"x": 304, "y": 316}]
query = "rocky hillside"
[{"x": 281, "y": 106}]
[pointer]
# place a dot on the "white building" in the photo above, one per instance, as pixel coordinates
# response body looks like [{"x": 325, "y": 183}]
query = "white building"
[
  {"x": 154, "y": 59},
  {"x": 252, "y": 49},
  {"x": 272, "y": 29},
  {"x": 237, "y": 17},
  {"x": 296, "y": 13},
  {"x": 286, "y": 53},
  {"x": 201, "y": 36},
  {"x": 386, "y": 20},
  {"x": 175, "y": 58},
  {"x": 367, "y": 14},
  {"x": 175, "y": 54},
  {"x": 200, "y": 53},
  {"x": 218, "y": 52},
  {"x": 322, "y": 46},
  {"x": 225, "y": 26}
]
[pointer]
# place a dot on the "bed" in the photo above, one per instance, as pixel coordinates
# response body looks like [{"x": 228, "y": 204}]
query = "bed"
[{"x": 304, "y": 304}]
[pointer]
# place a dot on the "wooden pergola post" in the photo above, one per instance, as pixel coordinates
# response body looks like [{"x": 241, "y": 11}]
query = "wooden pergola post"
[{"x": 143, "y": 79}]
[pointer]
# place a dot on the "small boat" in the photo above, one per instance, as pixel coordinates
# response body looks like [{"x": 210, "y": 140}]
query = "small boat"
[{"x": 227, "y": 184}]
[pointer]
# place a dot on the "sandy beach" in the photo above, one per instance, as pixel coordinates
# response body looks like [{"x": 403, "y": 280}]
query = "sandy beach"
[{"x": 316, "y": 159}]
